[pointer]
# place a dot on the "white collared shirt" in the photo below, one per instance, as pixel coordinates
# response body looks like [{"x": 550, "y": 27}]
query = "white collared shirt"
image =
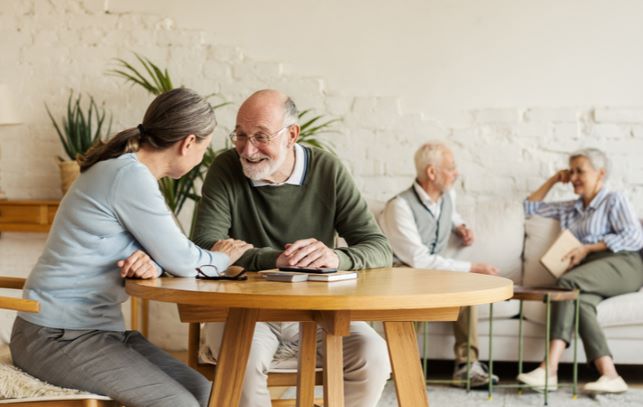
[
  {"x": 297, "y": 175},
  {"x": 398, "y": 224}
]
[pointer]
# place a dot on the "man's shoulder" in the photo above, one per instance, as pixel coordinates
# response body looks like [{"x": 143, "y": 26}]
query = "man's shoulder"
[{"x": 319, "y": 157}]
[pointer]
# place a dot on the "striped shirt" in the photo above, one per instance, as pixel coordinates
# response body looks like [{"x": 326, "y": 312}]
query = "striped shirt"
[{"x": 608, "y": 218}]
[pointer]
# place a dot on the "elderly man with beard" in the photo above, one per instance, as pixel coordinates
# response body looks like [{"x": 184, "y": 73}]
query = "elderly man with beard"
[
  {"x": 418, "y": 222},
  {"x": 290, "y": 202}
]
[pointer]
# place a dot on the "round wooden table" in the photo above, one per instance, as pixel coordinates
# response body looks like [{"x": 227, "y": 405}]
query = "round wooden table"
[{"x": 396, "y": 296}]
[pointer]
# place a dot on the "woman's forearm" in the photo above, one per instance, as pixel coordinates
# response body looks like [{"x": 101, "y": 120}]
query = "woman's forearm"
[
  {"x": 540, "y": 193},
  {"x": 596, "y": 247}
]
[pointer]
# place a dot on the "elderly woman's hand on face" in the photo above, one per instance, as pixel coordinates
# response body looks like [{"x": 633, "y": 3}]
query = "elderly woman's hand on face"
[
  {"x": 232, "y": 247},
  {"x": 562, "y": 176},
  {"x": 137, "y": 265}
]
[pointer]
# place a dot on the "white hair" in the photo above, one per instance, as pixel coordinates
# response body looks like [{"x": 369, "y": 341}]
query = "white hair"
[
  {"x": 597, "y": 159},
  {"x": 291, "y": 114},
  {"x": 431, "y": 153}
]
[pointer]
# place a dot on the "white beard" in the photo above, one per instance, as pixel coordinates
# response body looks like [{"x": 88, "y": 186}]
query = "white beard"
[{"x": 265, "y": 168}]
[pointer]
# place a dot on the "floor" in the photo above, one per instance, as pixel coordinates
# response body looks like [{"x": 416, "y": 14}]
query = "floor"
[
  {"x": 507, "y": 371},
  {"x": 441, "y": 370}
]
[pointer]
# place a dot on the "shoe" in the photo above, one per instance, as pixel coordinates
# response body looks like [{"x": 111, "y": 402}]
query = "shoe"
[
  {"x": 478, "y": 374},
  {"x": 536, "y": 379},
  {"x": 606, "y": 384}
]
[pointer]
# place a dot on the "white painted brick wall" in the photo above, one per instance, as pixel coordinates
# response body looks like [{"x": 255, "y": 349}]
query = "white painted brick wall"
[{"x": 49, "y": 48}]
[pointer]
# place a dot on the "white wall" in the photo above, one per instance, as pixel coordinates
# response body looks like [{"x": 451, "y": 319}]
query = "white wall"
[
  {"x": 439, "y": 54},
  {"x": 513, "y": 85}
]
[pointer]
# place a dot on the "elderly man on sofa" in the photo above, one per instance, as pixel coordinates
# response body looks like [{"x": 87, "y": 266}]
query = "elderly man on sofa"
[{"x": 418, "y": 222}]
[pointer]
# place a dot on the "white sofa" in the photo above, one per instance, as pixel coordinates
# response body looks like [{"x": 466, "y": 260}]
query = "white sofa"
[{"x": 505, "y": 239}]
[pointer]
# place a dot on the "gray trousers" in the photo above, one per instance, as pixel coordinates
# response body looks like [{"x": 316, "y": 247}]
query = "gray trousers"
[
  {"x": 600, "y": 276},
  {"x": 366, "y": 361},
  {"x": 121, "y": 365}
]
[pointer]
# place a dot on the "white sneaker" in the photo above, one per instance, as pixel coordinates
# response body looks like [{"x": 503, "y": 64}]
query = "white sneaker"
[
  {"x": 536, "y": 379},
  {"x": 606, "y": 384}
]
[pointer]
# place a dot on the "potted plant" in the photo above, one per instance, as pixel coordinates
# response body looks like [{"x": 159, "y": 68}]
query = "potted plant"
[
  {"x": 312, "y": 127},
  {"x": 77, "y": 131}
]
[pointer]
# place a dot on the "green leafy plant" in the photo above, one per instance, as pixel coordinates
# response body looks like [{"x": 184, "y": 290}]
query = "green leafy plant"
[
  {"x": 312, "y": 127},
  {"x": 151, "y": 78},
  {"x": 156, "y": 82},
  {"x": 80, "y": 128}
]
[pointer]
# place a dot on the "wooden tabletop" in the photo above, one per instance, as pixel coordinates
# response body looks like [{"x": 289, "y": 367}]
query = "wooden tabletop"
[{"x": 386, "y": 288}]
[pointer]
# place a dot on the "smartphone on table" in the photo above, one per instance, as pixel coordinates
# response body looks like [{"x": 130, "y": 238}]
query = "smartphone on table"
[{"x": 316, "y": 270}]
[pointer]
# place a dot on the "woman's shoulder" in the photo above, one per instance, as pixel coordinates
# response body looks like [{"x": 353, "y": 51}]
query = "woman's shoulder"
[
  {"x": 616, "y": 197},
  {"x": 123, "y": 172},
  {"x": 126, "y": 161}
]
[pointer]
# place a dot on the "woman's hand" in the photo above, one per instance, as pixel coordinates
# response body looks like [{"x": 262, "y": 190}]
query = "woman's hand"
[
  {"x": 576, "y": 256},
  {"x": 562, "y": 176},
  {"x": 233, "y": 248},
  {"x": 137, "y": 265}
]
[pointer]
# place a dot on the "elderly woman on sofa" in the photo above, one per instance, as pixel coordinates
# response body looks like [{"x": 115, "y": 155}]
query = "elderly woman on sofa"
[{"x": 606, "y": 265}]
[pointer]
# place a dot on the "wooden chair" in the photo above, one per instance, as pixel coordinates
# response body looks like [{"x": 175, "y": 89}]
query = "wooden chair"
[
  {"x": 76, "y": 400},
  {"x": 276, "y": 377}
]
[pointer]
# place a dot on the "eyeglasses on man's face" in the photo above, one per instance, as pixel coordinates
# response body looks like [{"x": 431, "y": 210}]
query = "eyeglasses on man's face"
[
  {"x": 211, "y": 272},
  {"x": 260, "y": 138}
]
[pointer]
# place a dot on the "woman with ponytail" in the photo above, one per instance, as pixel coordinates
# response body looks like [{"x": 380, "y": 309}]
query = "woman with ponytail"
[{"x": 112, "y": 215}]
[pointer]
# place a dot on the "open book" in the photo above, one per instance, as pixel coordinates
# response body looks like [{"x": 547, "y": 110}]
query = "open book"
[{"x": 552, "y": 260}]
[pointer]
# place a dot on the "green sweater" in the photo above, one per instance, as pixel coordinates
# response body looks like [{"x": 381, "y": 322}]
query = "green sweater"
[{"x": 326, "y": 204}]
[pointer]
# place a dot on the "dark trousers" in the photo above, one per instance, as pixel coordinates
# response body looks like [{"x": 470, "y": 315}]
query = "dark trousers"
[{"x": 121, "y": 365}]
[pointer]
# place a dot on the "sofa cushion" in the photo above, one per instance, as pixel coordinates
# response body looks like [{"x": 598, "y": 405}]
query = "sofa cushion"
[
  {"x": 620, "y": 310},
  {"x": 498, "y": 230},
  {"x": 540, "y": 234}
]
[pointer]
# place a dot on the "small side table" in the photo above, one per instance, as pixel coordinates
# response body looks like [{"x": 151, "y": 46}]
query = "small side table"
[{"x": 546, "y": 295}]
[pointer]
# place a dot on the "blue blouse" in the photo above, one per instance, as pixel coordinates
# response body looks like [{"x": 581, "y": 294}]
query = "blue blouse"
[
  {"x": 112, "y": 209},
  {"x": 609, "y": 218}
]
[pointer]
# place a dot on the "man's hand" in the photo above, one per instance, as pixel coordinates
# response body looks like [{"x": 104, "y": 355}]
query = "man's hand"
[
  {"x": 233, "y": 248},
  {"x": 482, "y": 268},
  {"x": 308, "y": 253},
  {"x": 576, "y": 255},
  {"x": 137, "y": 265},
  {"x": 465, "y": 234}
]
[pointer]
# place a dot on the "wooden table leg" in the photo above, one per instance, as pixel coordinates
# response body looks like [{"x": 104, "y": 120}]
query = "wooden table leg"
[
  {"x": 336, "y": 324},
  {"x": 233, "y": 357},
  {"x": 307, "y": 364},
  {"x": 405, "y": 362},
  {"x": 333, "y": 371}
]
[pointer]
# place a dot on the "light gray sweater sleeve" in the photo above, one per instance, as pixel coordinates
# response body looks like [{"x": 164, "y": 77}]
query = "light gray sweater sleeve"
[{"x": 141, "y": 209}]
